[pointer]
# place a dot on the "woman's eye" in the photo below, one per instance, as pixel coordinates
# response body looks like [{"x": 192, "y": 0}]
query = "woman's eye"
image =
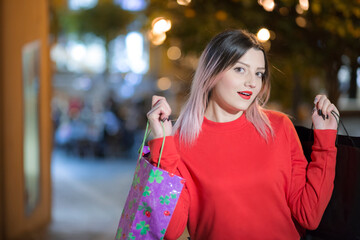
[
  {"x": 260, "y": 74},
  {"x": 239, "y": 69}
]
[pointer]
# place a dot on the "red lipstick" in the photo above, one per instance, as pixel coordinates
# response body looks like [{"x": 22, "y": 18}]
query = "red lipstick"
[{"x": 245, "y": 94}]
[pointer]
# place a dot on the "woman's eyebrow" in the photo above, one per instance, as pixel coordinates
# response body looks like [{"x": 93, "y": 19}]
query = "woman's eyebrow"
[{"x": 249, "y": 65}]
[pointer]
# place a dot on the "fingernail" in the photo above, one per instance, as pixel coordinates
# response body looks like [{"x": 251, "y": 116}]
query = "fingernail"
[
  {"x": 327, "y": 116},
  {"x": 319, "y": 112},
  {"x": 323, "y": 116}
]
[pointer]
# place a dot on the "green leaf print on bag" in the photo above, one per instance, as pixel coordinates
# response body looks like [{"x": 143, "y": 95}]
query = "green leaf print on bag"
[
  {"x": 131, "y": 236},
  {"x": 156, "y": 176},
  {"x": 162, "y": 232},
  {"x": 146, "y": 191},
  {"x": 144, "y": 227},
  {"x": 131, "y": 203},
  {"x": 137, "y": 168},
  {"x": 118, "y": 234},
  {"x": 147, "y": 209},
  {"x": 136, "y": 180},
  {"x": 165, "y": 200},
  {"x": 173, "y": 196}
]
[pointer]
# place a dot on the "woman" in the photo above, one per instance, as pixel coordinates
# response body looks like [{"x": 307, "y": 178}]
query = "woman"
[{"x": 246, "y": 175}]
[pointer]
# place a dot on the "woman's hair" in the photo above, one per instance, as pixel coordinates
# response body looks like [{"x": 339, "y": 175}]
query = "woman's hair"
[{"x": 221, "y": 53}]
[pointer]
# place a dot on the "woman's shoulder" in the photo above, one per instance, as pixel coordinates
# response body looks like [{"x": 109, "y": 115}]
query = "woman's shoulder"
[{"x": 278, "y": 118}]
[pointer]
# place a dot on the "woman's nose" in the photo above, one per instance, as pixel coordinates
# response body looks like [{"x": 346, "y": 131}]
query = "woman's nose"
[{"x": 250, "y": 81}]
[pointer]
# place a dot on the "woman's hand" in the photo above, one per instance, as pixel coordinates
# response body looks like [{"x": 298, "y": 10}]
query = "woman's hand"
[
  {"x": 322, "y": 117},
  {"x": 160, "y": 111}
]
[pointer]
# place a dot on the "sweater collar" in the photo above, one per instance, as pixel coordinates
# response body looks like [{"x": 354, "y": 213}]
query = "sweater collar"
[{"x": 224, "y": 126}]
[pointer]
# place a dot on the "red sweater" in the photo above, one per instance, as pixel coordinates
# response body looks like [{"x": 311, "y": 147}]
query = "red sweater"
[{"x": 240, "y": 187}]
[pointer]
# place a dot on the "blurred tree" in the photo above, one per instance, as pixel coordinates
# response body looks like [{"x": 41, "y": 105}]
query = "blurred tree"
[
  {"x": 106, "y": 20},
  {"x": 307, "y": 42}
]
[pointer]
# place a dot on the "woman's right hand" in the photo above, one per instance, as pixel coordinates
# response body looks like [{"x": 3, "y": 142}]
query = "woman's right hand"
[{"x": 160, "y": 111}]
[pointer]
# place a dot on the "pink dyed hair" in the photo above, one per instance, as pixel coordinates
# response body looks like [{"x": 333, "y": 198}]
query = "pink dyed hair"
[{"x": 222, "y": 52}]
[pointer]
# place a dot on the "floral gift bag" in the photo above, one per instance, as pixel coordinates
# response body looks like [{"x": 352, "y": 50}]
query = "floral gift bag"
[{"x": 151, "y": 200}]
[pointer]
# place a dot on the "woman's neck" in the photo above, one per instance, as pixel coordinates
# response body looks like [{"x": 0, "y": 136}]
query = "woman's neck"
[{"x": 215, "y": 113}]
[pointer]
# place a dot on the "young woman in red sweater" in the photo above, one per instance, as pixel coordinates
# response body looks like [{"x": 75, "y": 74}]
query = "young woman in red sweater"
[{"x": 246, "y": 174}]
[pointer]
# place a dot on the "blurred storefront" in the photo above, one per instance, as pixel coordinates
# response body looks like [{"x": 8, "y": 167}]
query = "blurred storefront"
[{"x": 25, "y": 122}]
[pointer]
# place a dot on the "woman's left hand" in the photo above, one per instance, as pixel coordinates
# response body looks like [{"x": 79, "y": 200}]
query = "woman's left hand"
[{"x": 322, "y": 117}]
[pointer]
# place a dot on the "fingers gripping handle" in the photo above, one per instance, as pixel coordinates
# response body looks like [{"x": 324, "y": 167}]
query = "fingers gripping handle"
[{"x": 146, "y": 135}]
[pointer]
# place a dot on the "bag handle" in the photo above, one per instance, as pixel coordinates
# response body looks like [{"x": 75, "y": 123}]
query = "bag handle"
[
  {"x": 338, "y": 120},
  {"x": 146, "y": 135}
]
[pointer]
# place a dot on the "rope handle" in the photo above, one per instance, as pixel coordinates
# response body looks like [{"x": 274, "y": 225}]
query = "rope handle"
[
  {"x": 338, "y": 120},
  {"x": 146, "y": 135}
]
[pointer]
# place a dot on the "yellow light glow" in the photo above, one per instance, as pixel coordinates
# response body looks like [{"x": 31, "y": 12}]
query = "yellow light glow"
[
  {"x": 189, "y": 13},
  {"x": 301, "y": 22},
  {"x": 157, "y": 38},
  {"x": 263, "y": 35},
  {"x": 304, "y": 4},
  {"x": 268, "y": 5},
  {"x": 184, "y": 2},
  {"x": 174, "y": 53},
  {"x": 161, "y": 25},
  {"x": 272, "y": 35},
  {"x": 221, "y": 15},
  {"x": 284, "y": 11},
  {"x": 163, "y": 83}
]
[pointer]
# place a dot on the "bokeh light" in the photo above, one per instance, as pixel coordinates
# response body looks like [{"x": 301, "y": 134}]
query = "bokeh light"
[
  {"x": 299, "y": 9},
  {"x": 304, "y": 4},
  {"x": 157, "y": 38},
  {"x": 301, "y": 22},
  {"x": 268, "y": 5},
  {"x": 174, "y": 53},
  {"x": 263, "y": 35},
  {"x": 164, "y": 83},
  {"x": 161, "y": 25},
  {"x": 184, "y": 2}
]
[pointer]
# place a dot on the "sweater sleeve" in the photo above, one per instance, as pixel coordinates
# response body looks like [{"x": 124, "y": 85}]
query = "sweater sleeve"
[
  {"x": 170, "y": 161},
  {"x": 311, "y": 183}
]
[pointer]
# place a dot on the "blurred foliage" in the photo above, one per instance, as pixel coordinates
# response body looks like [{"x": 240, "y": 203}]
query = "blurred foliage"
[
  {"x": 106, "y": 20},
  {"x": 304, "y": 59},
  {"x": 304, "y": 54}
]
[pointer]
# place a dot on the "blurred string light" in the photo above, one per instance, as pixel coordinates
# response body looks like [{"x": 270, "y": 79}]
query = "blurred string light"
[
  {"x": 81, "y": 4},
  {"x": 268, "y": 5},
  {"x": 174, "y": 53},
  {"x": 160, "y": 26},
  {"x": 263, "y": 35},
  {"x": 131, "y": 5},
  {"x": 164, "y": 83},
  {"x": 157, "y": 39},
  {"x": 300, "y": 21},
  {"x": 299, "y": 9},
  {"x": 184, "y": 2},
  {"x": 304, "y": 4}
]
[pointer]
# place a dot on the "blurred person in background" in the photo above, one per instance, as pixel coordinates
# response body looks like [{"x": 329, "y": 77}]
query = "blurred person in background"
[{"x": 246, "y": 174}]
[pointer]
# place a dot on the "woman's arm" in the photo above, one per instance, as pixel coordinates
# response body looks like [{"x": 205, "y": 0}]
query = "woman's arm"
[
  {"x": 170, "y": 160},
  {"x": 312, "y": 184}
]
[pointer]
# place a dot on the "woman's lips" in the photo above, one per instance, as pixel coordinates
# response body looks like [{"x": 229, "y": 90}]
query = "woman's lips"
[{"x": 245, "y": 94}]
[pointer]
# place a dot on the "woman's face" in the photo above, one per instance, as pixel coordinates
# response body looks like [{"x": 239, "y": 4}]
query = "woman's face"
[{"x": 239, "y": 85}]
